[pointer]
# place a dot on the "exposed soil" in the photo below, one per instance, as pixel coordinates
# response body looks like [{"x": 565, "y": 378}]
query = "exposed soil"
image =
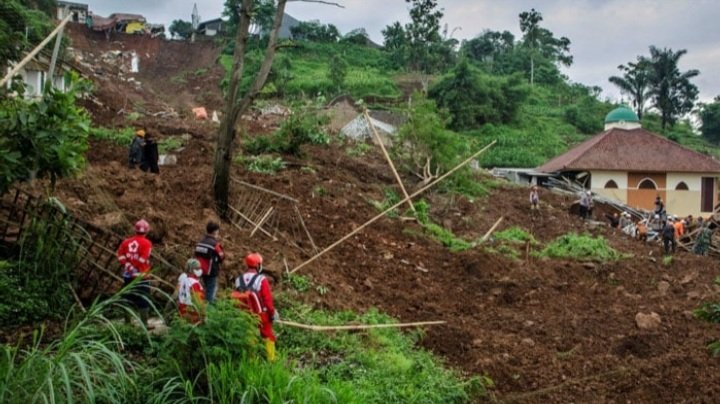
[{"x": 543, "y": 330}]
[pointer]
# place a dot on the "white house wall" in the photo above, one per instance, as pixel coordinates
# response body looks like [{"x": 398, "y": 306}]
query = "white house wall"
[
  {"x": 683, "y": 203},
  {"x": 598, "y": 179}
]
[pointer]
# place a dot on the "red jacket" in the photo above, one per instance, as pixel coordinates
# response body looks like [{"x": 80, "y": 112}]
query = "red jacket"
[
  {"x": 261, "y": 286},
  {"x": 134, "y": 256},
  {"x": 210, "y": 254}
]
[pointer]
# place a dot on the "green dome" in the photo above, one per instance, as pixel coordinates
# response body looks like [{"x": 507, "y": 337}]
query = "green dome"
[{"x": 622, "y": 113}]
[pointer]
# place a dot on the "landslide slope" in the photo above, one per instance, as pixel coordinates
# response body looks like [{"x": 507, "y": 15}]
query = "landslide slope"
[{"x": 542, "y": 329}]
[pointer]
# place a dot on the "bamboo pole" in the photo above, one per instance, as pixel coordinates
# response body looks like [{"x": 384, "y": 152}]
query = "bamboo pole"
[
  {"x": 389, "y": 160},
  {"x": 302, "y": 222},
  {"x": 356, "y": 327},
  {"x": 261, "y": 189},
  {"x": 251, "y": 222},
  {"x": 376, "y": 218},
  {"x": 492, "y": 229},
  {"x": 34, "y": 52},
  {"x": 261, "y": 221},
  {"x": 53, "y": 59}
]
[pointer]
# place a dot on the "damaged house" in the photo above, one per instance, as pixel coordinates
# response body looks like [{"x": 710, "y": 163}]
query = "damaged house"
[{"x": 634, "y": 166}]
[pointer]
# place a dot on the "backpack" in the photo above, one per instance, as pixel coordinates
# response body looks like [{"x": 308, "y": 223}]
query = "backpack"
[{"x": 246, "y": 295}]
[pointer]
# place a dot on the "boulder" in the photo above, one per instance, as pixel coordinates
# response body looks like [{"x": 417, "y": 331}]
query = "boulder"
[
  {"x": 663, "y": 287},
  {"x": 648, "y": 321}
]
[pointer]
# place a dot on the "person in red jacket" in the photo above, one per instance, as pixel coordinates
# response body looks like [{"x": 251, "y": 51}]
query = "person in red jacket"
[
  {"x": 191, "y": 294},
  {"x": 134, "y": 256},
  {"x": 210, "y": 254},
  {"x": 252, "y": 290}
]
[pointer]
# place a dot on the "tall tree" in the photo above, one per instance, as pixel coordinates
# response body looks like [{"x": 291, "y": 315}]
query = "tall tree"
[
  {"x": 635, "y": 82},
  {"x": 396, "y": 43},
  {"x": 673, "y": 93},
  {"x": 422, "y": 32},
  {"x": 181, "y": 29},
  {"x": 541, "y": 43},
  {"x": 710, "y": 121},
  {"x": 235, "y": 105}
]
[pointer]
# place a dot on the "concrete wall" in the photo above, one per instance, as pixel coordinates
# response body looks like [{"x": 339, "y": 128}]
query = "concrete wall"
[{"x": 598, "y": 180}]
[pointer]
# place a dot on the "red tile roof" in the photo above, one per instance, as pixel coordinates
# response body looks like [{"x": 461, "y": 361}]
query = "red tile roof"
[{"x": 631, "y": 150}]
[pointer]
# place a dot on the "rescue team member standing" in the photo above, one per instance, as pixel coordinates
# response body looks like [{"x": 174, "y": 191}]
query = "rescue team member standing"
[
  {"x": 191, "y": 294},
  {"x": 135, "y": 152},
  {"x": 252, "y": 290},
  {"x": 210, "y": 254},
  {"x": 134, "y": 257}
]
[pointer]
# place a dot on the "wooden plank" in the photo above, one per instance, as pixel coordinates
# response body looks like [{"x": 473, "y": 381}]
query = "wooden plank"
[
  {"x": 261, "y": 189},
  {"x": 262, "y": 221},
  {"x": 251, "y": 222},
  {"x": 302, "y": 222}
]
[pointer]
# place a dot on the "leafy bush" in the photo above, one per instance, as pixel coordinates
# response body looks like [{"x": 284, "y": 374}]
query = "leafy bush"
[
  {"x": 709, "y": 312},
  {"x": 391, "y": 198},
  {"x": 169, "y": 144},
  {"x": 582, "y": 247},
  {"x": 514, "y": 235},
  {"x": 358, "y": 149},
  {"x": 299, "y": 129},
  {"x": 299, "y": 282},
  {"x": 439, "y": 233},
  {"x": 45, "y": 137},
  {"x": 264, "y": 164}
]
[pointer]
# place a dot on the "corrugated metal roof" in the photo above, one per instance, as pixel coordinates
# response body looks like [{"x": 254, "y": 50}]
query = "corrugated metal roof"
[{"x": 631, "y": 150}]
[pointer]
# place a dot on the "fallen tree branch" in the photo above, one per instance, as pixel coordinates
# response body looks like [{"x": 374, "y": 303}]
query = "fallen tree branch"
[{"x": 356, "y": 327}]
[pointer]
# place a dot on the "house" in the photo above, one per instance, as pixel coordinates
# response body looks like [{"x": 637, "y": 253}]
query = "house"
[
  {"x": 79, "y": 11},
  {"x": 211, "y": 27},
  {"x": 634, "y": 166},
  {"x": 34, "y": 74},
  {"x": 118, "y": 22}
]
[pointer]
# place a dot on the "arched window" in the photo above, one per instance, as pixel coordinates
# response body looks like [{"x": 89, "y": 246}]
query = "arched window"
[
  {"x": 681, "y": 186},
  {"x": 647, "y": 183},
  {"x": 611, "y": 184}
]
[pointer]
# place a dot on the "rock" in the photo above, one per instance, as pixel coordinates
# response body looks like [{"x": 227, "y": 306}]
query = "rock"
[
  {"x": 688, "y": 314},
  {"x": 477, "y": 342},
  {"x": 528, "y": 323},
  {"x": 689, "y": 278},
  {"x": 108, "y": 220},
  {"x": 368, "y": 284},
  {"x": 589, "y": 265},
  {"x": 663, "y": 287},
  {"x": 528, "y": 342},
  {"x": 693, "y": 295},
  {"x": 388, "y": 255},
  {"x": 167, "y": 160},
  {"x": 648, "y": 321}
]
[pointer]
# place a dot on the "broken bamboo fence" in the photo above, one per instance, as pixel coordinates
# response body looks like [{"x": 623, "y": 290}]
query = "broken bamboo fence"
[
  {"x": 390, "y": 209},
  {"x": 96, "y": 266},
  {"x": 273, "y": 214}
]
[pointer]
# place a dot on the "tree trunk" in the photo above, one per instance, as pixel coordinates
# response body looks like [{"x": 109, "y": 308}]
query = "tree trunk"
[
  {"x": 532, "y": 71},
  {"x": 234, "y": 108}
]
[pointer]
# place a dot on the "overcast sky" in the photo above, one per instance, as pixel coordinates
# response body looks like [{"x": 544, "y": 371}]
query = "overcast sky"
[{"x": 604, "y": 33}]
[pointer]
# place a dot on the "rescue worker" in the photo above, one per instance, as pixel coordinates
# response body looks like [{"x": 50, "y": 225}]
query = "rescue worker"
[
  {"x": 668, "y": 237},
  {"x": 134, "y": 257},
  {"x": 150, "y": 155},
  {"x": 613, "y": 220},
  {"x": 704, "y": 239},
  {"x": 534, "y": 198},
  {"x": 586, "y": 204},
  {"x": 641, "y": 231},
  {"x": 191, "y": 294},
  {"x": 210, "y": 254},
  {"x": 256, "y": 283},
  {"x": 135, "y": 153},
  {"x": 679, "y": 227},
  {"x": 659, "y": 206}
]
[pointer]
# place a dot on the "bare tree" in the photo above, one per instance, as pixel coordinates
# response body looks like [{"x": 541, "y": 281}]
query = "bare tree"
[{"x": 235, "y": 105}]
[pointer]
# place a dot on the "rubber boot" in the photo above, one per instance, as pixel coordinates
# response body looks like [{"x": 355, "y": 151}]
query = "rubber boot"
[{"x": 270, "y": 350}]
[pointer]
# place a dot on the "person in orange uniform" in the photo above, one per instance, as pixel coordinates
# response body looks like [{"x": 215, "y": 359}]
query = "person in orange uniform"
[
  {"x": 191, "y": 295},
  {"x": 134, "y": 257},
  {"x": 252, "y": 290}
]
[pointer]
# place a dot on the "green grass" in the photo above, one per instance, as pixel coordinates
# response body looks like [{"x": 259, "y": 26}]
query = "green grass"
[
  {"x": 170, "y": 144},
  {"x": 581, "y": 247},
  {"x": 263, "y": 164},
  {"x": 119, "y": 136},
  {"x": 514, "y": 234}
]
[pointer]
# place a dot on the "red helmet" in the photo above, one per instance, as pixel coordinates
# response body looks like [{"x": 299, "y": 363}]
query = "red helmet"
[
  {"x": 142, "y": 226},
  {"x": 254, "y": 260}
]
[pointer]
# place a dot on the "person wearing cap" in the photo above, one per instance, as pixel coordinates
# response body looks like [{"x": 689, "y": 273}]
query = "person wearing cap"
[
  {"x": 134, "y": 257},
  {"x": 191, "y": 294},
  {"x": 135, "y": 153}
]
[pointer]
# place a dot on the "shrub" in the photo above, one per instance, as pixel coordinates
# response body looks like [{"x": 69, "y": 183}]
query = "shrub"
[
  {"x": 299, "y": 129},
  {"x": 514, "y": 235},
  {"x": 119, "y": 136},
  {"x": 582, "y": 247}
]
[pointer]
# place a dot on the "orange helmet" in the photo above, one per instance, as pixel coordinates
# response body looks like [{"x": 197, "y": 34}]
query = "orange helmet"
[
  {"x": 142, "y": 226},
  {"x": 254, "y": 260}
]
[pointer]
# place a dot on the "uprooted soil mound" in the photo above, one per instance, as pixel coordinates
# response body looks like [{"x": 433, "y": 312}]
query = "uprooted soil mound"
[{"x": 543, "y": 330}]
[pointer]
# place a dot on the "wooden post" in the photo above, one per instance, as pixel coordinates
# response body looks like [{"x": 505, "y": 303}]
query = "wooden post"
[
  {"x": 53, "y": 60},
  {"x": 374, "y": 219},
  {"x": 34, "y": 52},
  {"x": 389, "y": 160},
  {"x": 492, "y": 229}
]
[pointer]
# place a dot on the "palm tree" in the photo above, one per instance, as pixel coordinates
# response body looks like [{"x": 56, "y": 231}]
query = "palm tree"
[
  {"x": 635, "y": 82},
  {"x": 673, "y": 93}
]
